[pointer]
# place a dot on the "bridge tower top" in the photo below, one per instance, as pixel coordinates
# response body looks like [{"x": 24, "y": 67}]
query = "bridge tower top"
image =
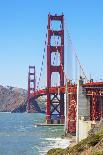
[{"x": 55, "y": 18}]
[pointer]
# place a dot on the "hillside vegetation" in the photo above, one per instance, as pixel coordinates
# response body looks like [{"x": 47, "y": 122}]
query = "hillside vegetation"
[{"x": 92, "y": 145}]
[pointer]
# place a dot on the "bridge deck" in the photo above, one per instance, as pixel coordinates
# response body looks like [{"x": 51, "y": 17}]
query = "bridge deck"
[{"x": 57, "y": 90}]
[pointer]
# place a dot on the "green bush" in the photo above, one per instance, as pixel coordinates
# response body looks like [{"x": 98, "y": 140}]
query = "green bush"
[{"x": 56, "y": 151}]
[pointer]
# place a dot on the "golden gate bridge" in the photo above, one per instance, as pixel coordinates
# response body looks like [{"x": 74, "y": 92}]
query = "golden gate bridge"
[{"x": 61, "y": 85}]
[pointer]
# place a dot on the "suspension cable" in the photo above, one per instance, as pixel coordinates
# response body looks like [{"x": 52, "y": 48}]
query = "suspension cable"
[
  {"x": 42, "y": 64},
  {"x": 74, "y": 51}
]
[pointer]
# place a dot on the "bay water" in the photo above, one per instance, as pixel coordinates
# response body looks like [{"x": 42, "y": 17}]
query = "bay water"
[{"x": 19, "y": 135}]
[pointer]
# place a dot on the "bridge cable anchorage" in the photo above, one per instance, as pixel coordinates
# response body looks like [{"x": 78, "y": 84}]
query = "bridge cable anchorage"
[
  {"x": 75, "y": 53},
  {"x": 42, "y": 64}
]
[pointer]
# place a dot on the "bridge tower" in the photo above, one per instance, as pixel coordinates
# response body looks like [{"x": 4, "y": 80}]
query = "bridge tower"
[
  {"x": 31, "y": 85},
  {"x": 55, "y": 102}
]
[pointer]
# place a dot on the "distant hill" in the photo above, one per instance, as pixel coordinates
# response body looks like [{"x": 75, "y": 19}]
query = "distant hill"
[
  {"x": 15, "y": 100},
  {"x": 12, "y": 98}
]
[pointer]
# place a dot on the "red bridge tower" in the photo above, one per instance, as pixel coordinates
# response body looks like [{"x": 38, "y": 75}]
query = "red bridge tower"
[
  {"x": 55, "y": 102},
  {"x": 31, "y": 85}
]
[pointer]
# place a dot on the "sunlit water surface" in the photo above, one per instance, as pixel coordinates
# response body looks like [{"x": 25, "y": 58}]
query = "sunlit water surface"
[{"x": 19, "y": 136}]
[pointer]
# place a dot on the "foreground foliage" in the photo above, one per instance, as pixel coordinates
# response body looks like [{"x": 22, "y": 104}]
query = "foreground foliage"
[{"x": 92, "y": 145}]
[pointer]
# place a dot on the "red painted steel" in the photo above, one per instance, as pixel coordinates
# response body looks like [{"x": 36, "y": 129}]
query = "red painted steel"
[
  {"x": 31, "y": 84},
  {"x": 93, "y": 90},
  {"x": 51, "y": 105},
  {"x": 72, "y": 91}
]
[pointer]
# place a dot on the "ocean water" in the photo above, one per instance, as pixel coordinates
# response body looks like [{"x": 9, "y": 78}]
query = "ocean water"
[{"x": 19, "y": 136}]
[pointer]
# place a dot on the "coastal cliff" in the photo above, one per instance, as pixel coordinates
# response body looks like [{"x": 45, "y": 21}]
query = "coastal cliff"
[{"x": 12, "y": 98}]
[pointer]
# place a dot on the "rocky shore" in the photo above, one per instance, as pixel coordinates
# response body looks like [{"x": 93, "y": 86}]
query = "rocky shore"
[{"x": 92, "y": 145}]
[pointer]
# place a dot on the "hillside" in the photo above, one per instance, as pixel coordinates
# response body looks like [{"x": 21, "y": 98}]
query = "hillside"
[
  {"x": 15, "y": 100},
  {"x": 12, "y": 98},
  {"x": 92, "y": 145}
]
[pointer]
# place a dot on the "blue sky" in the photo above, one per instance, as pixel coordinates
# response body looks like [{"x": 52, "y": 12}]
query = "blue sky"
[{"x": 23, "y": 25}]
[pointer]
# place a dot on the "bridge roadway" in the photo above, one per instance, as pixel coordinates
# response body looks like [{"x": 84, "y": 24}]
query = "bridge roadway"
[{"x": 56, "y": 90}]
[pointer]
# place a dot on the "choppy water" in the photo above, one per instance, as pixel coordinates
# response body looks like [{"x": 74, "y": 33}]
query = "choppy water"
[{"x": 18, "y": 136}]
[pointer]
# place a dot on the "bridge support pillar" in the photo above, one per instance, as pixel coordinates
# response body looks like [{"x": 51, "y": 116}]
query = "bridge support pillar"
[
  {"x": 31, "y": 86},
  {"x": 55, "y": 102},
  {"x": 93, "y": 106},
  {"x": 72, "y": 103}
]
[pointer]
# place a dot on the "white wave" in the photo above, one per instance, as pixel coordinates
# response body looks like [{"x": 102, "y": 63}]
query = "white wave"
[
  {"x": 62, "y": 143},
  {"x": 53, "y": 143}
]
